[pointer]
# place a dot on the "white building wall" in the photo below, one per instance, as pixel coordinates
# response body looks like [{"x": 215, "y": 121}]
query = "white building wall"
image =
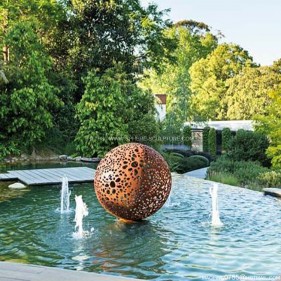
[{"x": 161, "y": 111}]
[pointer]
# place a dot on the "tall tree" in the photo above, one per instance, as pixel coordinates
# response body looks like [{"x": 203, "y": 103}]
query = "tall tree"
[
  {"x": 248, "y": 93},
  {"x": 270, "y": 124},
  {"x": 209, "y": 78},
  {"x": 194, "y": 41},
  {"x": 28, "y": 98},
  {"x": 103, "y": 33},
  {"x": 113, "y": 111}
]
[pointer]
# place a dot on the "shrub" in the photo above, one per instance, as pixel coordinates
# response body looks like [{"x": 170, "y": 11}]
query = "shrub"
[
  {"x": 102, "y": 126},
  {"x": 226, "y": 137},
  {"x": 246, "y": 172},
  {"x": 173, "y": 160},
  {"x": 187, "y": 136},
  {"x": 212, "y": 142},
  {"x": 113, "y": 111},
  {"x": 205, "y": 154},
  {"x": 185, "y": 153},
  {"x": 190, "y": 164},
  {"x": 203, "y": 158},
  {"x": 181, "y": 164},
  {"x": 188, "y": 153},
  {"x": 206, "y": 139},
  {"x": 8, "y": 149},
  {"x": 271, "y": 179},
  {"x": 249, "y": 146}
]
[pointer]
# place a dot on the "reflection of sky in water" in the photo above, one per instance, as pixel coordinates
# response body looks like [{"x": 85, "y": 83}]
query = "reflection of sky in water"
[{"x": 177, "y": 243}]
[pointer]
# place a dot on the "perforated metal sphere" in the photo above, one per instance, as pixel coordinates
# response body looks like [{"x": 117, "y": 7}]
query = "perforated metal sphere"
[{"x": 132, "y": 181}]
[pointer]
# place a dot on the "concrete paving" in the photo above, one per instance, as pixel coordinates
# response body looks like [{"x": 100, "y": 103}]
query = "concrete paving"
[
  {"x": 25, "y": 272},
  {"x": 200, "y": 173}
]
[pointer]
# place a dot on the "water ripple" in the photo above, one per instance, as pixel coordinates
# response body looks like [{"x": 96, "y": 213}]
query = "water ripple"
[{"x": 177, "y": 243}]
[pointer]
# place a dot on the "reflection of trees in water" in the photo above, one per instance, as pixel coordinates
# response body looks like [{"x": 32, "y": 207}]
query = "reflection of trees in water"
[
  {"x": 8, "y": 193},
  {"x": 130, "y": 249}
]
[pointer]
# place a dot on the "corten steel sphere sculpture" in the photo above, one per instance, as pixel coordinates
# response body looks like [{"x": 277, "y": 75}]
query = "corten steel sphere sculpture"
[{"x": 132, "y": 181}]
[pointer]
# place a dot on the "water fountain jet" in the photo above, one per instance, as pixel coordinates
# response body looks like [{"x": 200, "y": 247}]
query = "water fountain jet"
[
  {"x": 216, "y": 222},
  {"x": 81, "y": 211},
  {"x": 65, "y": 196}
]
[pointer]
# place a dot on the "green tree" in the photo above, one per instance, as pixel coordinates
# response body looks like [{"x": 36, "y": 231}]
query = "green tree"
[
  {"x": 194, "y": 41},
  {"x": 205, "y": 136},
  {"x": 100, "y": 113},
  {"x": 113, "y": 111},
  {"x": 187, "y": 136},
  {"x": 140, "y": 115},
  {"x": 270, "y": 124},
  {"x": 49, "y": 46},
  {"x": 212, "y": 142},
  {"x": 29, "y": 97},
  {"x": 248, "y": 146},
  {"x": 247, "y": 93},
  {"x": 171, "y": 129},
  {"x": 209, "y": 78},
  {"x": 103, "y": 33},
  {"x": 226, "y": 138}
]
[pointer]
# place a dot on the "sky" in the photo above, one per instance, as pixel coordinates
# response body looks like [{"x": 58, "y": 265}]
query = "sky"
[{"x": 255, "y": 25}]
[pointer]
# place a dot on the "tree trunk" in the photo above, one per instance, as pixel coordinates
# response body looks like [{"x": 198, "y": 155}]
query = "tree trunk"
[{"x": 6, "y": 54}]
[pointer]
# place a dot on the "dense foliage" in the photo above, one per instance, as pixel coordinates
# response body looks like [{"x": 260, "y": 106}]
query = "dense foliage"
[
  {"x": 249, "y": 146},
  {"x": 171, "y": 130},
  {"x": 248, "y": 93},
  {"x": 226, "y": 138},
  {"x": 195, "y": 41},
  {"x": 183, "y": 164},
  {"x": 212, "y": 142},
  {"x": 187, "y": 136},
  {"x": 191, "y": 163},
  {"x": 209, "y": 78},
  {"x": 49, "y": 50},
  {"x": 240, "y": 173},
  {"x": 29, "y": 98},
  {"x": 270, "y": 124},
  {"x": 71, "y": 70},
  {"x": 113, "y": 111},
  {"x": 245, "y": 163},
  {"x": 206, "y": 139}
]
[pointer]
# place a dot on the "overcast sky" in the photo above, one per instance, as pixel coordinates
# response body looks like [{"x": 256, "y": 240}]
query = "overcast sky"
[{"x": 253, "y": 24}]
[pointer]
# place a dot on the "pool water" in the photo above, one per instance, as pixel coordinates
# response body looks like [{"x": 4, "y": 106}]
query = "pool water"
[{"x": 177, "y": 243}]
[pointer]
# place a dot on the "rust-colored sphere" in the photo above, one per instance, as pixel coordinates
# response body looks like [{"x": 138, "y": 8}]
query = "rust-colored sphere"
[{"x": 132, "y": 181}]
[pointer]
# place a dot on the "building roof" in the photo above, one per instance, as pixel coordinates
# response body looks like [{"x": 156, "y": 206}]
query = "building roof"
[
  {"x": 233, "y": 125},
  {"x": 162, "y": 98}
]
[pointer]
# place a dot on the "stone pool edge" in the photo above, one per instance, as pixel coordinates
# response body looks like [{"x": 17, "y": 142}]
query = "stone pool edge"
[{"x": 28, "y": 272}]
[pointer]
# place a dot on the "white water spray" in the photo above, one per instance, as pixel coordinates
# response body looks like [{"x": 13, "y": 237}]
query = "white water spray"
[
  {"x": 81, "y": 211},
  {"x": 65, "y": 196},
  {"x": 216, "y": 222}
]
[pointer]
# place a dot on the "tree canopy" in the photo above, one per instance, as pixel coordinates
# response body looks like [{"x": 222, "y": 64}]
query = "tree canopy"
[
  {"x": 105, "y": 122},
  {"x": 248, "y": 93},
  {"x": 51, "y": 48},
  {"x": 194, "y": 41},
  {"x": 85, "y": 70},
  {"x": 270, "y": 124},
  {"x": 209, "y": 78}
]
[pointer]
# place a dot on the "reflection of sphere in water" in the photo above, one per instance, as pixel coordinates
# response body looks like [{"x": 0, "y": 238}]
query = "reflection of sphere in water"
[{"x": 132, "y": 181}]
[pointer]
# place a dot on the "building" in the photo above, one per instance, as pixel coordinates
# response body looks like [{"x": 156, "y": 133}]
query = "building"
[
  {"x": 197, "y": 130},
  {"x": 161, "y": 101}
]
